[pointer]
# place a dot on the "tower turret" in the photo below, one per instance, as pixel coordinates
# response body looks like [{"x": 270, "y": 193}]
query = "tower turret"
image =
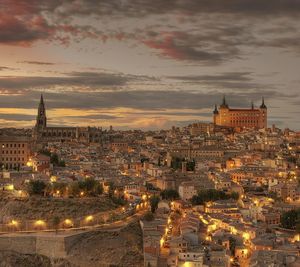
[
  {"x": 263, "y": 103},
  {"x": 263, "y": 114},
  {"x": 224, "y": 104},
  {"x": 216, "y": 110}
]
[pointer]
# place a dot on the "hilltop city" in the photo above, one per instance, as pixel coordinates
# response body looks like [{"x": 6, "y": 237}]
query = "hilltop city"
[{"x": 220, "y": 193}]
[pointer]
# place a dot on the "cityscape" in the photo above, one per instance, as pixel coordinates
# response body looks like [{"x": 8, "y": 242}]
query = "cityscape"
[{"x": 149, "y": 133}]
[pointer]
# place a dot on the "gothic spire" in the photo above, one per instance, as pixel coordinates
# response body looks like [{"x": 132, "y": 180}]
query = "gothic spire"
[
  {"x": 41, "y": 120},
  {"x": 42, "y": 100}
]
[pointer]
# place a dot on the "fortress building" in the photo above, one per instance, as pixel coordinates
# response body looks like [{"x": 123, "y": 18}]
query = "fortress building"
[
  {"x": 44, "y": 133},
  {"x": 240, "y": 118}
]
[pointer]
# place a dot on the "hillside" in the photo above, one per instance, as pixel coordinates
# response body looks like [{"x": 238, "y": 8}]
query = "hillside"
[{"x": 46, "y": 208}]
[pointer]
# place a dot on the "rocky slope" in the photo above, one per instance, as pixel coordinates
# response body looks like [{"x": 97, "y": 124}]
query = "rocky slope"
[{"x": 94, "y": 249}]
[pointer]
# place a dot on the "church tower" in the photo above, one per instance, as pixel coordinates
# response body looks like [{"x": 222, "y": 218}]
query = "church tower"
[
  {"x": 263, "y": 114},
  {"x": 41, "y": 119},
  {"x": 216, "y": 114}
]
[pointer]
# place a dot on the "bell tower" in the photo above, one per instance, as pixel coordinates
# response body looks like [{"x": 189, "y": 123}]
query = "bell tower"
[
  {"x": 263, "y": 114},
  {"x": 41, "y": 119}
]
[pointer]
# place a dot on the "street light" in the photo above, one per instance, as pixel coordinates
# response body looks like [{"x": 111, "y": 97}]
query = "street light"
[
  {"x": 68, "y": 223},
  {"x": 40, "y": 224},
  {"x": 89, "y": 218},
  {"x": 14, "y": 224}
]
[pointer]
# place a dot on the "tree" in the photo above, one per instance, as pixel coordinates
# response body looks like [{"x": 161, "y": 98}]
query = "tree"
[
  {"x": 150, "y": 186},
  {"x": 232, "y": 245},
  {"x": 176, "y": 163},
  {"x": 154, "y": 200},
  {"x": 149, "y": 216},
  {"x": 169, "y": 194},
  {"x": 98, "y": 189},
  {"x": 62, "y": 163},
  {"x": 235, "y": 195},
  {"x": 36, "y": 187},
  {"x": 45, "y": 152},
  {"x": 290, "y": 218},
  {"x": 111, "y": 189},
  {"x": 54, "y": 159},
  {"x": 61, "y": 187},
  {"x": 74, "y": 189},
  {"x": 190, "y": 165},
  {"x": 89, "y": 186},
  {"x": 212, "y": 195},
  {"x": 55, "y": 223}
]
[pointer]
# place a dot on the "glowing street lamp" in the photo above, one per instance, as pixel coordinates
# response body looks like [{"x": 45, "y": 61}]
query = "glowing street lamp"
[
  {"x": 68, "y": 222},
  {"x": 40, "y": 224},
  {"x": 14, "y": 223},
  {"x": 89, "y": 218}
]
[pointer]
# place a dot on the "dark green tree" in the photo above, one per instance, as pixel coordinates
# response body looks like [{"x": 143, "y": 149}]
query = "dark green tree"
[
  {"x": 289, "y": 219},
  {"x": 232, "y": 245},
  {"x": 176, "y": 163},
  {"x": 149, "y": 216},
  {"x": 36, "y": 187},
  {"x": 74, "y": 189},
  {"x": 169, "y": 194},
  {"x": 55, "y": 223},
  {"x": 45, "y": 152},
  {"x": 235, "y": 195},
  {"x": 190, "y": 165},
  {"x": 154, "y": 200},
  {"x": 54, "y": 159},
  {"x": 212, "y": 195}
]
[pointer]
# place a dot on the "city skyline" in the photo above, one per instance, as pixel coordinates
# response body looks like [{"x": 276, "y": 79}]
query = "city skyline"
[{"x": 147, "y": 65}]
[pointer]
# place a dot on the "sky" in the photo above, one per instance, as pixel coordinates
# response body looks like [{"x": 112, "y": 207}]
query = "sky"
[{"x": 147, "y": 64}]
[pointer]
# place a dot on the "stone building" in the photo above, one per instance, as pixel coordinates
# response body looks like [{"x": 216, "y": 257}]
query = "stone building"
[
  {"x": 240, "y": 118},
  {"x": 44, "y": 133},
  {"x": 15, "y": 151}
]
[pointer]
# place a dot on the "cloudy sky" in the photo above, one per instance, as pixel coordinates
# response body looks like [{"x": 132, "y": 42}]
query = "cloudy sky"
[{"x": 147, "y": 63}]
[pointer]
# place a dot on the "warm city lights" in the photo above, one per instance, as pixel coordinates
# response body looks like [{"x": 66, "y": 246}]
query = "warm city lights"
[{"x": 150, "y": 133}]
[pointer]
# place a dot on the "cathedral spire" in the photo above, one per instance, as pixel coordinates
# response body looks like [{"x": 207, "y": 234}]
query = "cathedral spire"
[
  {"x": 42, "y": 100},
  {"x": 42, "y": 104},
  {"x": 41, "y": 119}
]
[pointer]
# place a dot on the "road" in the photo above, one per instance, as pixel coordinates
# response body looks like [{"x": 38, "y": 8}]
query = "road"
[{"x": 113, "y": 226}]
